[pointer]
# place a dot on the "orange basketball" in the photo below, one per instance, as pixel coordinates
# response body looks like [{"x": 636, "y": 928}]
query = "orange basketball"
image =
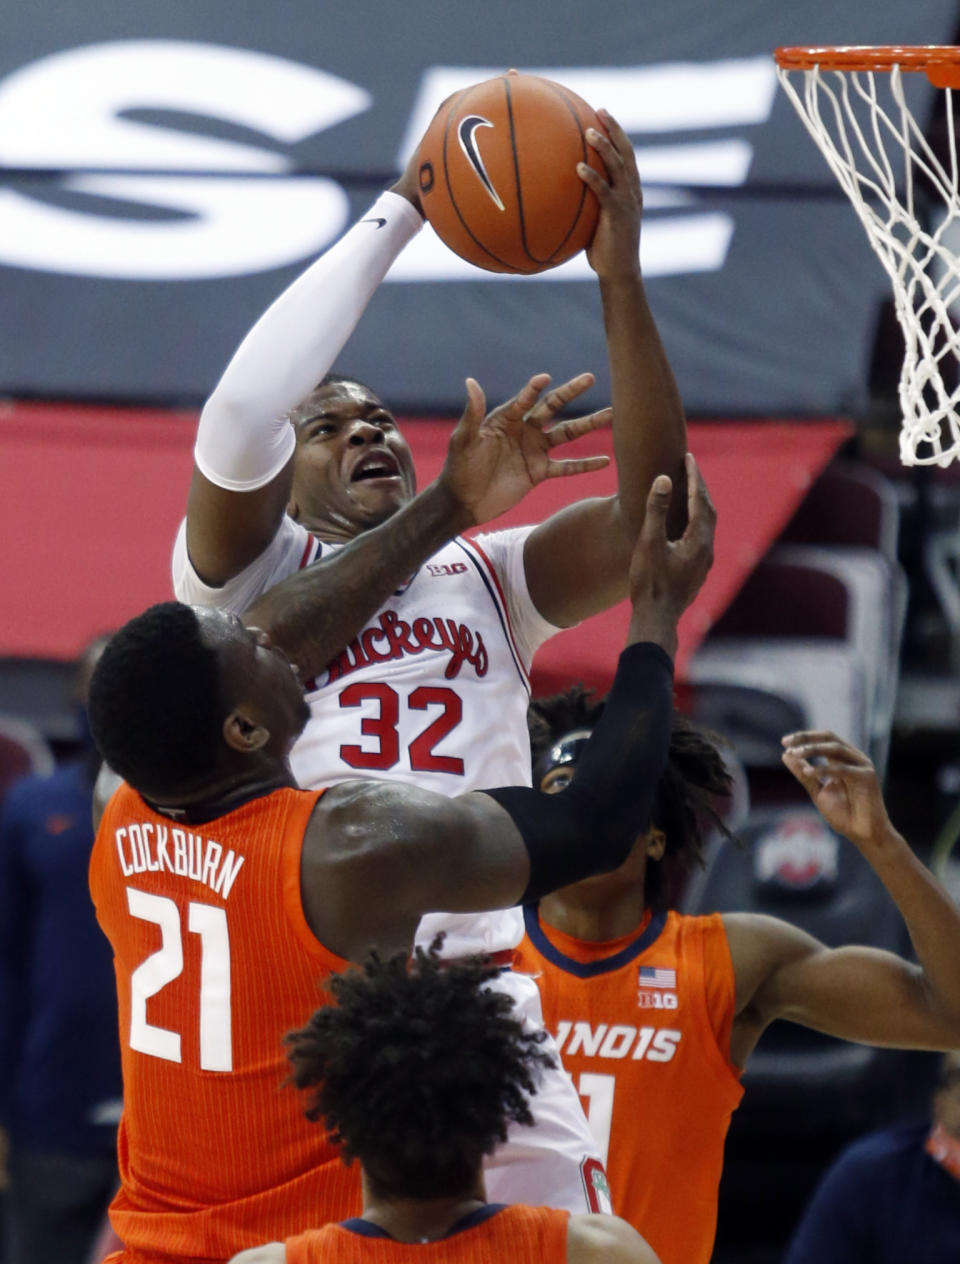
[{"x": 498, "y": 173}]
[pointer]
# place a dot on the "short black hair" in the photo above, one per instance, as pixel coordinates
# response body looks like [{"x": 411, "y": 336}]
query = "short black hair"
[
  {"x": 301, "y": 413},
  {"x": 695, "y": 776},
  {"x": 417, "y": 1069},
  {"x": 344, "y": 379},
  {"x": 155, "y": 703}
]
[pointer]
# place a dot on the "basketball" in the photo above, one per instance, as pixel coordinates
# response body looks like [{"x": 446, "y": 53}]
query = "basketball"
[{"x": 498, "y": 173}]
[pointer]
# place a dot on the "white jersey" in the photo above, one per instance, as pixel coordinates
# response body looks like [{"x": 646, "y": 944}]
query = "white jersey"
[{"x": 433, "y": 691}]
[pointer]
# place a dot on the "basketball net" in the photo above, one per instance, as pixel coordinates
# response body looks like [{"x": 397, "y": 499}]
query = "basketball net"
[{"x": 860, "y": 119}]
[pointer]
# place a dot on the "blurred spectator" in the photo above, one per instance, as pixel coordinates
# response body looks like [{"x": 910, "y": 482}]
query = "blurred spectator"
[
  {"x": 892, "y": 1196},
  {"x": 60, "y": 1083}
]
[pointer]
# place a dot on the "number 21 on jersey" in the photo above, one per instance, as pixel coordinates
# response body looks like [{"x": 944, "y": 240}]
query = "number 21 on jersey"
[{"x": 209, "y": 923}]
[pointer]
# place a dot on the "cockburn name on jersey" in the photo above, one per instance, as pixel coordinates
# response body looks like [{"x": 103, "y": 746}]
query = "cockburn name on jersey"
[
  {"x": 617, "y": 1041},
  {"x": 391, "y": 638},
  {"x": 151, "y": 848}
]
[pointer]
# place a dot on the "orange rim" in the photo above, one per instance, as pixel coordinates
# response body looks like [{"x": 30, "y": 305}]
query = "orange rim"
[{"x": 940, "y": 62}]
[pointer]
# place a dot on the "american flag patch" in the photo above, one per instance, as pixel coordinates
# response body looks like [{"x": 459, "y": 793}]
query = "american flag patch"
[{"x": 657, "y": 977}]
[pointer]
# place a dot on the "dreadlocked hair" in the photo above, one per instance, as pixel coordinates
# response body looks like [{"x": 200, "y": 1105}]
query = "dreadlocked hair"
[
  {"x": 684, "y": 804},
  {"x": 548, "y": 719},
  {"x": 417, "y": 1069}
]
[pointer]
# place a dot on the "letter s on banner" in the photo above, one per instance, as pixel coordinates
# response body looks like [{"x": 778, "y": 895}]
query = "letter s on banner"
[{"x": 65, "y": 111}]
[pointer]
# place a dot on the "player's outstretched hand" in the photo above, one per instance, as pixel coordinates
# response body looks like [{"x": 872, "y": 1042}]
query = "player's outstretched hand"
[
  {"x": 666, "y": 575},
  {"x": 615, "y": 248},
  {"x": 842, "y": 783},
  {"x": 494, "y": 460}
]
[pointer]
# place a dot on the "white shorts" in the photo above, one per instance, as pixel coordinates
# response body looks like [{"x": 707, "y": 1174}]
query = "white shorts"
[{"x": 554, "y": 1163}]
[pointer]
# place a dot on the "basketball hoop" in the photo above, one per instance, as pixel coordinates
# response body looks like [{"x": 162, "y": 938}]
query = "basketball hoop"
[{"x": 876, "y": 149}]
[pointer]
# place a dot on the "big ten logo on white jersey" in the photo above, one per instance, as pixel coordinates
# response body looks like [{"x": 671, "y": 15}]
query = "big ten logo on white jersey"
[
  {"x": 75, "y": 111},
  {"x": 433, "y": 691},
  {"x": 617, "y": 1041}
]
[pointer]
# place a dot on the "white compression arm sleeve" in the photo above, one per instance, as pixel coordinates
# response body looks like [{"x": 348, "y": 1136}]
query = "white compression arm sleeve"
[{"x": 244, "y": 439}]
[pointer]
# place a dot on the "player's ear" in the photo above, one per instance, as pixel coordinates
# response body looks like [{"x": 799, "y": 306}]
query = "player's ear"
[
  {"x": 656, "y": 843},
  {"x": 293, "y": 510},
  {"x": 243, "y": 734}
]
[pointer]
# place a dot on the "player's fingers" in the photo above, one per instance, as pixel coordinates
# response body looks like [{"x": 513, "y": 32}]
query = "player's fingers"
[
  {"x": 476, "y": 405},
  {"x": 836, "y": 751},
  {"x": 553, "y": 401},
  {"x": 820, "y": 737},
  {"x": 576, "y": 427},
  {"x": 612, "y": 158},
  {"x": 595, "y": 182},
  {"x": 803, "y": 771},
  {"x": 803, "y": 737},
  {"x": 842, "y": 774},
  {"x": 658, "y": 506},
  {"x": 701, "y": 515},
  {"x": 526, "y": 397},
  {"x": 576, "y": 465},
  {"x": 618, "y": 137}
]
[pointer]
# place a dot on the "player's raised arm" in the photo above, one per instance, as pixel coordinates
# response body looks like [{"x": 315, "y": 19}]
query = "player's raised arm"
[
  {"x": 378, "y": 856},
  {"x": 576, "y": 562},
  {"x": 855, "y": 993},
  {"x": 245, "y": 442},
  {"x": 492, "y": 462}
]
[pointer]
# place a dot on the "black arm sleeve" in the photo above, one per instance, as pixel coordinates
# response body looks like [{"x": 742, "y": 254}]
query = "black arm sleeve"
[{"x": 592, "y": 825}]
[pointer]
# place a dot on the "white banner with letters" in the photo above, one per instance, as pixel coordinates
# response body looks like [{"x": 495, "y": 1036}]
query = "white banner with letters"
[{"x": 166, "y": 169}]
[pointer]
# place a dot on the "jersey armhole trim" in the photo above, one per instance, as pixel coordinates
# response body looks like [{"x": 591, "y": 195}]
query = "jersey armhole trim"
[
  {"x": 491, "y": 581},
  {"x": 725, "y": 1069}
]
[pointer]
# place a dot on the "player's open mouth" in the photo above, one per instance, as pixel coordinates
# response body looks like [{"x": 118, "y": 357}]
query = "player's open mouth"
[{"x": 375, "y": 467}]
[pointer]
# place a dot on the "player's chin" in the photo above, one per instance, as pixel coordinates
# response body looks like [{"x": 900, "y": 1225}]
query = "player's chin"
[{"x": 374, "y": 500}]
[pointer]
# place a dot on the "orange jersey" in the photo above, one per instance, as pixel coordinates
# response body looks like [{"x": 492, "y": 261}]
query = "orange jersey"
[
  {"x": 643, "y": 1026},
  {"x": 215, "y": 962},
  {"x": 493, "y": 1235}
]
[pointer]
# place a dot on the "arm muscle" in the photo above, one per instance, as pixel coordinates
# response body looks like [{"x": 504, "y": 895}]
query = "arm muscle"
[{"x": 852, "y": 992}]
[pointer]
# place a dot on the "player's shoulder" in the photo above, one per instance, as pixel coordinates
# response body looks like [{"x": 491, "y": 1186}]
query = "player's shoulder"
[
  {"x": 351, "y": 814},
  {"x": 759, "y": 936},
  {"x": 504, "y": 540},
  {"x": 291, "y": 548},
  {"x": 600, "y": 1239}
]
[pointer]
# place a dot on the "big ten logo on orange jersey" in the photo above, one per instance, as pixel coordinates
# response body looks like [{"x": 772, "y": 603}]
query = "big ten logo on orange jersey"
[
  {"x": 657, "y": 1000},
  {"x": 619, "y": 1040}
]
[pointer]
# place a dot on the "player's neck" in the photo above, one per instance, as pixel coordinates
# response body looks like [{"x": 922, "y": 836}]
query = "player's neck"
[
  {"x": 331, "y": 531},
  {"x": 594, "y": 923},
  {"x": 217, "y": 798},
  {"x": 420, "y": 1219},
  {"x": 334, "y": 528}
]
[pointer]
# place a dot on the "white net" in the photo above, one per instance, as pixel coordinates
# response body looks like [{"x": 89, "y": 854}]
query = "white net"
[{"x": 908, "y": 203}]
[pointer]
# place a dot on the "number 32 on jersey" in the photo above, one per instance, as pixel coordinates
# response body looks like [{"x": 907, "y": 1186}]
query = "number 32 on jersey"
[{"x": 382, "y": 728}]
